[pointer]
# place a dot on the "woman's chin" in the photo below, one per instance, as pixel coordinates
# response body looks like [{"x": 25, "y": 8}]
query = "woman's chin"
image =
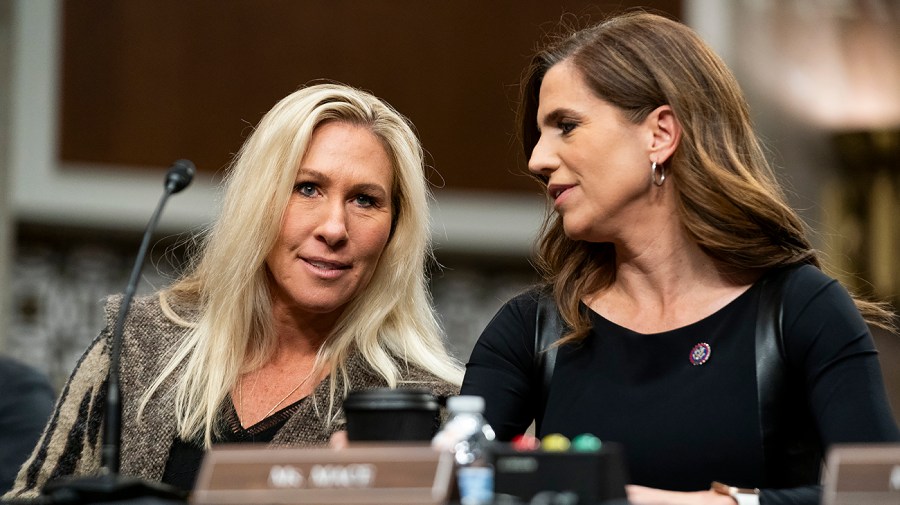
[{"x": 577, "y": 232}]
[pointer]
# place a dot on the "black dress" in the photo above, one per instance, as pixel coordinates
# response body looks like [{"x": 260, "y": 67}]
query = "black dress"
[{"x": 684, "y": 425}]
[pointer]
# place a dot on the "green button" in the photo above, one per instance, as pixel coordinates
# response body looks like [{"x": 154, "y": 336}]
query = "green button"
[{"x": 586, "y": 443}]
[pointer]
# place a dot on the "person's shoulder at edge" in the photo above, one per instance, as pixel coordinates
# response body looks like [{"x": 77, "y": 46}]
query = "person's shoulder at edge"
[{"x": 17, "y": 370}]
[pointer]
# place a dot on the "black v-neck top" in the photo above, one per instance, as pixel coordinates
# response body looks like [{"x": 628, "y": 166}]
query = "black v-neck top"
[
  {"x": 185, "y": 457},
  {"x": 684, "y": 425}
]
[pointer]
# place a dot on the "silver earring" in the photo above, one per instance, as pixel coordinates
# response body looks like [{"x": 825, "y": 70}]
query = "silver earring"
[{"x": 657, "y": 176}]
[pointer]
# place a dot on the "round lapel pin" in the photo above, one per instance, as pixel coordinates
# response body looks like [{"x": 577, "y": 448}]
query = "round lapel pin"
[{"x": 700, "y": 353}]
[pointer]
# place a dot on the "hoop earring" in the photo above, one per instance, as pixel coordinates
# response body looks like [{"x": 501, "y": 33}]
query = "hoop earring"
[{"x": 658, "y": 177}]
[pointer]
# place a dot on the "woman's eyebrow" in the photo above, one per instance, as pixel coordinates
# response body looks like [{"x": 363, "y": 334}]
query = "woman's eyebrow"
[{"x": 556, "y": 114}]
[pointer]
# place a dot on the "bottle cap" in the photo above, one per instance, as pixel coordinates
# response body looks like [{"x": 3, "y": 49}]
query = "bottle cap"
[{"x": 465, "y": 403}]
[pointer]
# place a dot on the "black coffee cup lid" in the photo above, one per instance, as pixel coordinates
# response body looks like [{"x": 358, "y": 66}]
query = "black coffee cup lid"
[{"x": 391, "y": 399}]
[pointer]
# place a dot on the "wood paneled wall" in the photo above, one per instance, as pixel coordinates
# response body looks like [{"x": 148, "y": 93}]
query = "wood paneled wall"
[{"x": 149, "y": 81}]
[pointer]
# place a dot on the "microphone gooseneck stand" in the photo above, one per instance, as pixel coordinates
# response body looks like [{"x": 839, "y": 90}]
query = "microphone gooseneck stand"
[{"x": 109, "y": 486}]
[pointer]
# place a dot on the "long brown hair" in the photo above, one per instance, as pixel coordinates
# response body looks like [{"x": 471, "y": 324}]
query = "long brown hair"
[{"x": 727, "y": 195}]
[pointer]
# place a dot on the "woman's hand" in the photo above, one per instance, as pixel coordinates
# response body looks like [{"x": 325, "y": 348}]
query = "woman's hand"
[
  {"x": 640, "y": 495},
  {"x": 338, "y": 440}
]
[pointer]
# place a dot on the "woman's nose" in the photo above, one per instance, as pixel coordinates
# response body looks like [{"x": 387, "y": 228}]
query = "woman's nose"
[
  {"x": 543, "y": 160},
  {"x": 332, "y": 228}
]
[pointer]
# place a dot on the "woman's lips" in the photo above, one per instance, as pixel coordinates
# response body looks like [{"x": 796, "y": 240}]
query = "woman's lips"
[
  {"x": 327, "y": 269},
  {"x": 559, "y": 192}
]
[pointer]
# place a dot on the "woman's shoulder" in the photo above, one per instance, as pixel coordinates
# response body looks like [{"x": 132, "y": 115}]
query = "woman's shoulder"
[
  {"x": 150, "y": 315},
  {"x": 529, "y": 296},
  {"x": 415, "y": 377},
  {"x": 805, "y": 278},
  {"x": 362, "y": 375},
  {"x": 155, "y": 306},
  {"x": 817, "y": 309},
  {"x": 517, "y": 315},
  {"x": 806, "y": 286},
  {"x": 524, "y": 304}
]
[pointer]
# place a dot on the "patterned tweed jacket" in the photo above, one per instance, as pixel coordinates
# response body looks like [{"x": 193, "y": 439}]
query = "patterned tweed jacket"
[{"x": 71, "y": 443}]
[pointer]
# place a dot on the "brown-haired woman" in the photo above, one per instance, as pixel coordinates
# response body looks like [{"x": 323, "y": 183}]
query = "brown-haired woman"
[{"x": 669, "y": 230}]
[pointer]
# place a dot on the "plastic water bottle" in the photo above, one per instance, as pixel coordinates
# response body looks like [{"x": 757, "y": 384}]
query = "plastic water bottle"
[{"x": 469, "y": 436}]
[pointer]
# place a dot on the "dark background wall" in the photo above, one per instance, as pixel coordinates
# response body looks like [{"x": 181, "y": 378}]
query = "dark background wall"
[{"x": 148, "y": 81}]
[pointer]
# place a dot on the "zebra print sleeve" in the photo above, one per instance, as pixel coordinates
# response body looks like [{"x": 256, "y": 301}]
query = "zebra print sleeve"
[{"x": 71, "y": 442}]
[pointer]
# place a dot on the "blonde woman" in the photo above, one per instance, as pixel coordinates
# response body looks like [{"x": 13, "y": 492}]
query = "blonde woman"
[
  {"x": 309, "y": 285},
  {"x": 701, "y": 333}
]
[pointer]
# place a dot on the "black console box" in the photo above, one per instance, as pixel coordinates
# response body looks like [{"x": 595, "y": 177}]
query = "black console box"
[{"x": 596, "y": 477}]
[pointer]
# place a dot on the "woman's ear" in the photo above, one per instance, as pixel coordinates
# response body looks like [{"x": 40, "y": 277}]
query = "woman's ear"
[{"x": 666, "y": 133}]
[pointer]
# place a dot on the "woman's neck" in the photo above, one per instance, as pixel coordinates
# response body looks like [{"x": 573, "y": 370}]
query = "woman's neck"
[
  {"x": 666, "y": 281},
  {"x": 299, "y": 332}
]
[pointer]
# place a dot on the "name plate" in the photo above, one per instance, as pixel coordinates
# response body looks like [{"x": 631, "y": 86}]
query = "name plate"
[
  {"x": 862, "y": 475},
  {"x": 361, "y": 474}
]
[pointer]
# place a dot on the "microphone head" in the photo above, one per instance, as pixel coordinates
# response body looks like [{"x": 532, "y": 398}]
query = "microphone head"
[{"x": 180, "y": 175}]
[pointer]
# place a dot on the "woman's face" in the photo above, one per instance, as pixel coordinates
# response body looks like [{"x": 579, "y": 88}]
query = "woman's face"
[
  {"x": 596, "y": 162},
  {"x": 336, "y": 224}
]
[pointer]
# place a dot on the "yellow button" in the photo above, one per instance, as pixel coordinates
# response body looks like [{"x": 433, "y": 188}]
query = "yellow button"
[{"x": 555, "y": 443}]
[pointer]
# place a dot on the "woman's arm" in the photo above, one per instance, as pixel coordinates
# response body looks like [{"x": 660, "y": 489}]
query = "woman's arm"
[
  {"x": 827, "y": 339},
  {"x": 71, "y": 441},
  {"x": 500, "y": 368},
  {"x": 829, "y": 349}
]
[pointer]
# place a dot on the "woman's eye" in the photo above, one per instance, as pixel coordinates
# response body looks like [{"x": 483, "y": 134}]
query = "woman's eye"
[
  {"x": 566, "y": 127},
  {"x": 366, "y": 201},
  {"x": 305, "y": 188}
]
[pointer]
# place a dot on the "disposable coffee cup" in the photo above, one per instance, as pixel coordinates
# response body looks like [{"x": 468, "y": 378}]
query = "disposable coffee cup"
[{"x": 386, "y": 414}]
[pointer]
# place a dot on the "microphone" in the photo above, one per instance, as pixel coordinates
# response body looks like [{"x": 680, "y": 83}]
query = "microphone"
[
  {"x": 109, "y": 485},
  {"x": 180, "y": 175}
]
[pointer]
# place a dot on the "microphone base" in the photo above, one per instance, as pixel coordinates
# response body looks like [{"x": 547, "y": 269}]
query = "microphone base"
[{"x": 111, "y": 488}]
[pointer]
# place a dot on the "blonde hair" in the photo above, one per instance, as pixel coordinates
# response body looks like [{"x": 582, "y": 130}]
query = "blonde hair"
[
  {"x": 233, "y": 332},
  {"x": 728, "y": 198}
]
